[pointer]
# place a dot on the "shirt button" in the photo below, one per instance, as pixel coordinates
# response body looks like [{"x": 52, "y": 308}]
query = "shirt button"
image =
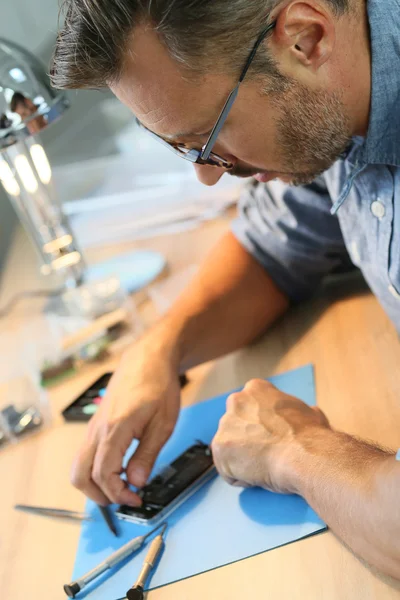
[
  {"x": 394, "y": 292},
  {"x": 378, "y": 209}
]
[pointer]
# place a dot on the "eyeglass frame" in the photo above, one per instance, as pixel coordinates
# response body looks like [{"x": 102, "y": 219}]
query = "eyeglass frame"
[{"x": 205, "y": 156}]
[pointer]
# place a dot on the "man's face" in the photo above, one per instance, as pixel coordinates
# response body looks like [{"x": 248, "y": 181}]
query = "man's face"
[
  {"x": 22, "y": 111},
  {"x": 25, "y": 109},
  {"x": 293, "y": 132}
]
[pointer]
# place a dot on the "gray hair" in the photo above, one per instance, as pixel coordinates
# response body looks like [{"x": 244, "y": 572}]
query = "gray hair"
[{"x": 201, "y": 35}]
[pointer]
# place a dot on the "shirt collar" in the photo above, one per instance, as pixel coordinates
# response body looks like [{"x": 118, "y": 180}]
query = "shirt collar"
[{"x": 382, "y": 144}]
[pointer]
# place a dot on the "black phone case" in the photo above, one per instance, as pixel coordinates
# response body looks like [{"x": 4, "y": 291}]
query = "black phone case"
[{"x": 73, "y": 413}]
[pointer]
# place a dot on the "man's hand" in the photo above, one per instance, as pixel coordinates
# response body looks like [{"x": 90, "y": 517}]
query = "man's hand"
[
  {"x": 259, "y": 435},
  {"x": 272, "y": 440},
  {"x": 143, "y": 397},
  {"x": 142, "y": 403}
]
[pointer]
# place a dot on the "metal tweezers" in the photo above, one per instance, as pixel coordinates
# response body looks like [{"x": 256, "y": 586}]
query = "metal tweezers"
[{"x": 56, "y": 513}]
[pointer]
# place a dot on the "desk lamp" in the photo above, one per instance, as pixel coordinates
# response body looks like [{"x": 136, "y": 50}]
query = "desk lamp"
[{"x": 28, "y": 105}]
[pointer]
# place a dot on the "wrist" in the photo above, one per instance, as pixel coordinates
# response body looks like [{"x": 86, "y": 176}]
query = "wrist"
[
  {"x": 163, "y": 340},
  {"x": 296, "y": 461},
  {"x": 320, "y": 453},
  {"x": 306, "y": 456},
  {"x": 178, "y": 338}
]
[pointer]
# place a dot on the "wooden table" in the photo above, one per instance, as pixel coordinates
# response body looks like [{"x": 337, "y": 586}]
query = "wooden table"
[{"x": 343, "y": 332}]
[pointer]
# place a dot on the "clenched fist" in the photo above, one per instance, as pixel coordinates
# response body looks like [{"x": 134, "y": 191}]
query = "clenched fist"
[{"x": 261, "y": 436}]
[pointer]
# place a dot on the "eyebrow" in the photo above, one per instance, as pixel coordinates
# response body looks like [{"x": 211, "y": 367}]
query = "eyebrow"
[
  {"x": 187, "y": 134},
  {"x": 176, "y": 136}
]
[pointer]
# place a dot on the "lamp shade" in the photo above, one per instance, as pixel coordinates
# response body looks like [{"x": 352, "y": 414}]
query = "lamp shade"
[{"x": 27, "y": 102}]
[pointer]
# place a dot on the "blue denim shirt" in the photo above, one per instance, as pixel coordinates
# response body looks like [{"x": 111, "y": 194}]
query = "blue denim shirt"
[{"x": 351, "y": 214}]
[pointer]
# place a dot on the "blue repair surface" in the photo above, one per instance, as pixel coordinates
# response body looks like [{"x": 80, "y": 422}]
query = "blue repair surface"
[{"x": 219, "y": 525}]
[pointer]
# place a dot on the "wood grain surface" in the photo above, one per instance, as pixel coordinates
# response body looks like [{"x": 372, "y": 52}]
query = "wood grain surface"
[{"x": 355, "y": 349}]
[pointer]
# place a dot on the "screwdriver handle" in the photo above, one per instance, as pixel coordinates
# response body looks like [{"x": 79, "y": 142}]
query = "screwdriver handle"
[
  {"x": 125, "y": 551},
  {"x": 151, "y": 558},
  {"x": 154, "y": 551}
]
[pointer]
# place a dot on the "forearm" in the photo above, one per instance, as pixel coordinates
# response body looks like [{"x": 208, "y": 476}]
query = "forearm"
[
  {"x": 230, "y": 302},
  {"x": 355, "y": 488}
]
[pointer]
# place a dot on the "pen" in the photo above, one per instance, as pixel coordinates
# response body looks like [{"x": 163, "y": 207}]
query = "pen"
[{"x": 72, "y": 589}]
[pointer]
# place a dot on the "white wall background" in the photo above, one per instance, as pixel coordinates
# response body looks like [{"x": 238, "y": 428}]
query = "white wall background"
[{"x": 31, "y": 23}]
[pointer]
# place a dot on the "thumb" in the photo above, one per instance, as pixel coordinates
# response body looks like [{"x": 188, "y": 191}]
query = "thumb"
[{"x": 141, "y": 463}]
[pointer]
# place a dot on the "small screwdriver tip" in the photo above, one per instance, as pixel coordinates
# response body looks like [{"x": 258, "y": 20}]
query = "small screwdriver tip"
[
  {"x": 164, "y": 528},
  {"x": 105, "y": 511}
]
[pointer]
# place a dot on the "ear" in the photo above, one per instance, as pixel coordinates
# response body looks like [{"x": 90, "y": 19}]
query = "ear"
[{"x": 307, "y": 31}]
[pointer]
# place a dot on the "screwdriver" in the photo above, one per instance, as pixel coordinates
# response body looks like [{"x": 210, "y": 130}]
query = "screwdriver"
[
  {"x": 106, "y": 514},
  {"x": 72, "y": 589},
  {"x": 137, "y": 591}
]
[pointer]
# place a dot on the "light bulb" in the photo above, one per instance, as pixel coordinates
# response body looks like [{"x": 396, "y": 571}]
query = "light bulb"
[
  {"x": 73, "y": 258},
  {"x": 8, "y": 180},
  {"x": 61, "y": 242},
  {"x": 41, "y": 163},
  {"x": 26, "y": 174}
]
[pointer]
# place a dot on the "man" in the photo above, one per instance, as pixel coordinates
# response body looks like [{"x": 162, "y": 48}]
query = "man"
[{"x": 318, "y": 106}]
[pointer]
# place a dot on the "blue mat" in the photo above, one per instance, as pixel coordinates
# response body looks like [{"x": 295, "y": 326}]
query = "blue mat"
[{"x": 219, "y": 525}]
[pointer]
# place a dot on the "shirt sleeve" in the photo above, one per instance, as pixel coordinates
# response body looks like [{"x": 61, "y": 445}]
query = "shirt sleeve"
[{"x": 292, "y": 234}]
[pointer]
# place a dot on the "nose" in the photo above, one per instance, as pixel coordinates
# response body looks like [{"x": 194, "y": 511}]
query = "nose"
[{"x": 208, "y": 175}]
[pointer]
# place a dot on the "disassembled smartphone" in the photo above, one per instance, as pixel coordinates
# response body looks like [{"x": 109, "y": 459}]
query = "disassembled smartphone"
[{"x": 170, "y": 488}]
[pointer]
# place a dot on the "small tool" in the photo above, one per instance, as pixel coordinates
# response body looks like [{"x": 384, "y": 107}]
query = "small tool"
[
  {"x": 72, "y": 589},
  {"x": 21, "y": 422},
  {"x": 3, "y": 437},
  {"x": 105, "y": 511},
  {"x": 137, "y": 591},
  {"x": 56, "y": 513}
]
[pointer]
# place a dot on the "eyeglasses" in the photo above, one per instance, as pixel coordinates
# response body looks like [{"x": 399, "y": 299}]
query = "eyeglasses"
[{"x": 205, "y": 156}]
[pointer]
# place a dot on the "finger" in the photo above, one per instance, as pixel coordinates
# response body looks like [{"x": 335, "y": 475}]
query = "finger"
[
  {"x": 141, "y": 463},
  {"x": 236, "y": 402},
  {"x": 229, "y": 480},
  {"x": 81, "y": 475},
  {"x": 107, "y": 470},
  {"x": 241, "y": 484},
  {"x": 235, "y": 482},
  {"x": 259, "y": 386},
  {"x": 322, "y": 415}
]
